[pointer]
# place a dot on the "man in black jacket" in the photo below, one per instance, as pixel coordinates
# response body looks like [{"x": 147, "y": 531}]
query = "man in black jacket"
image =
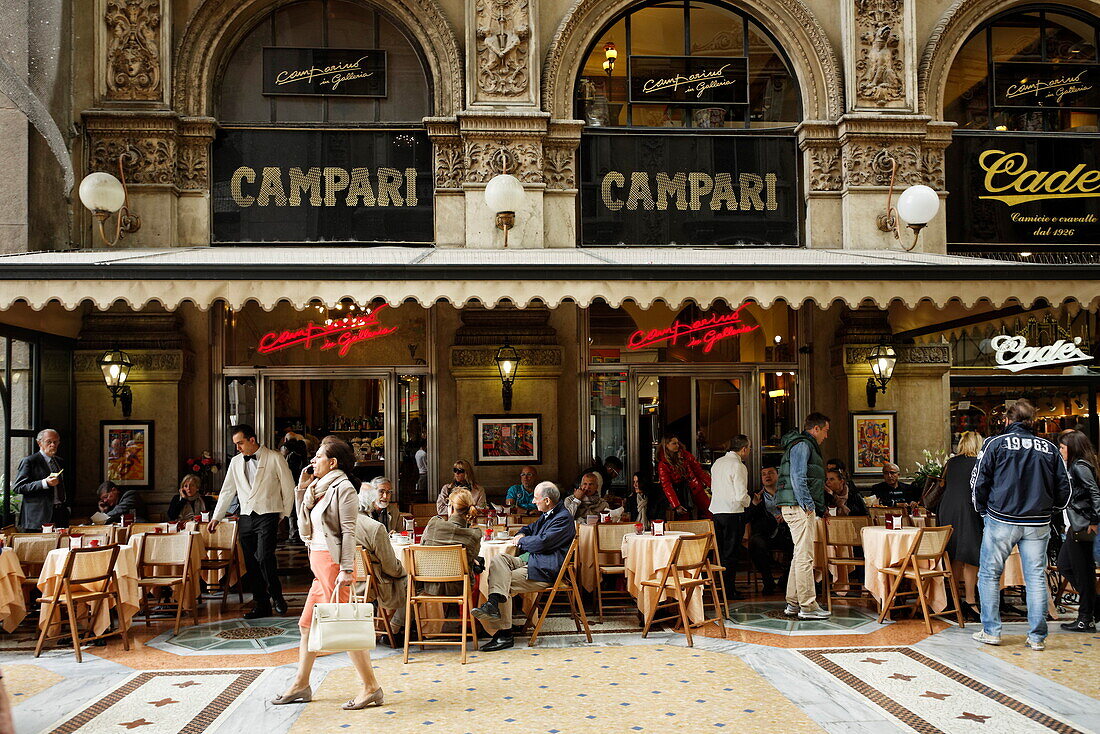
[
  {"x": 40, "y": 481},
  {"x": 769, "y": 532},
  {"x": 1017, "y": 483}
]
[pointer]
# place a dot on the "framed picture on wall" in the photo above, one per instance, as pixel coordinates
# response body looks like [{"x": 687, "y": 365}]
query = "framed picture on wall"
[
  {"x": 508, "y": 439},
  {"x": 874, "y": 441},
  {"x": 127, "y": 451}
]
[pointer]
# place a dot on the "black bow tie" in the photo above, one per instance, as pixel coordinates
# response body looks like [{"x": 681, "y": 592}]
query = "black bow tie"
[{"x": 250, "y": 457}]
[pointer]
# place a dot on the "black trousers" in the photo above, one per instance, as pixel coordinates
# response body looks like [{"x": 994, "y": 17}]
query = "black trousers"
[
  {"x": 729, "y": 528},
  {"x": 258, "y": 534},
  {"x": 1075, "y": 563},
  {"x": 761, "y": 547}
]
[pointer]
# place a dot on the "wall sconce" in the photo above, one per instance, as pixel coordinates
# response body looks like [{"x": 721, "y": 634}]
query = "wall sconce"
[
  {"x": 504, "y": 195},
  {"x": 917, "y": 205},
  {"x": 116, "y": 365},
  {"x": 882, "y": 360},
  {"x": 507, "y": 360},
  {"x": 103, "y": 195},
  {"x": 610, "y": 53}
]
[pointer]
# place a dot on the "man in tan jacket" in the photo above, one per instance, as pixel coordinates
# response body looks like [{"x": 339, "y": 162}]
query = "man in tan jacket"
[{"x": 390, "y": 580}]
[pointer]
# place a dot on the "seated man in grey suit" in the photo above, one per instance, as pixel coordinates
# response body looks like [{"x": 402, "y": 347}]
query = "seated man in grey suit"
[
  {"x": 545, "y": 541},
  {"x": 114, "y": 503}
]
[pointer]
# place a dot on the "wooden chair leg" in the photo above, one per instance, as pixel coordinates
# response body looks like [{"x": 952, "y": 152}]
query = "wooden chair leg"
[
  {"x": 827, "y": 586},
  {"x": 954, "y": 597},
  {"x": 46, "y": 627},
  {"x": 649, "y": 614},
  {"x": 681, "y": 603},
  {"x": 464, "y": 613},
  {"x": 123, "y": 625},
  {"x": 721, "y": 622},
  {"x": 410, "y": 620},
  {"x": 179, "y": 609},
  {"x": 576, "y": 592},
  {"x": 889, "y": 600},
  {"x": 922, "y": 598},
  {"x": 542, "y": 617},
  {"x": 74, "y": 629}
]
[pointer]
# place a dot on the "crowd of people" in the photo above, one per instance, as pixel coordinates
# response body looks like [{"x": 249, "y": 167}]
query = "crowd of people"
[{"x": 1008, "y": 491}]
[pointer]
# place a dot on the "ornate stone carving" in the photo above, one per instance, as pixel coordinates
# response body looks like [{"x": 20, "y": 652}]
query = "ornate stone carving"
[
  {"x": 826, "y": 169},
  {"x": 85, "y": 362},
  {"x": 560, "y": 172},
  {"x": 868, "y": 164},
  {"x": 538, "y": 357},
  {"x": 133, "y": 49},
  {"x": 193, "y": 166},
  {"x": 503, "y": 48},
  {"x": 486, "y": 158},
  {"x": 792, "y": 22},
  {"x": 450, "y": 165},
  {"x": 907, "y": 354},
  {"x": 932, "y": 168},
  {"x": 154, "y": 163},
  {"x": 880, "y": 68}
]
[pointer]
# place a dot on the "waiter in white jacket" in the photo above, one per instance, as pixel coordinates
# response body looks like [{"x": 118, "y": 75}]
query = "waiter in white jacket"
[
  {"x": 261, "y": 480},
  {"x": 729, "y": 488}
]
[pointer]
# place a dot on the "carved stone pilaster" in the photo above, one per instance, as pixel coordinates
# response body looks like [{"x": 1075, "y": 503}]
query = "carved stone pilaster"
[
  {"x": 494, "y": 144},
  {"x": 871, "y": 143},
  {"x": 166, "y": 151},
  {"x": 132, "y": 60},
  {"x": 560, "y": 172},
  {"x": 502, "y": 53},
  {"x": 881, "y": 63},
  {"x": 449, "y": 163},
  {"x": 193, "y": 164},
  {"x": 824, "y": 168}
]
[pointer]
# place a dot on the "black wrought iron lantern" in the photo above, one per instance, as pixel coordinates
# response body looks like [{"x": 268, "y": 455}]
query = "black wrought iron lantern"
[{"x": 507, "y": 360}]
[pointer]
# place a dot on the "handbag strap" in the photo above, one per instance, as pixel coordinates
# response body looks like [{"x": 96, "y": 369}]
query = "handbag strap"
[{"x": 335, "y": 596}]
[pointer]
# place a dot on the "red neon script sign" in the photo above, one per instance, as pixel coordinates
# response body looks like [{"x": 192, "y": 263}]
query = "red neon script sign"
[
  {"x": 704, "y": 332},
  {"x": 341, "y": 335}
]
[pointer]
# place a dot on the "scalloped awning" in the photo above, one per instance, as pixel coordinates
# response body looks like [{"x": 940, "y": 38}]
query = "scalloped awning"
[{"x": 299, "y": 274}]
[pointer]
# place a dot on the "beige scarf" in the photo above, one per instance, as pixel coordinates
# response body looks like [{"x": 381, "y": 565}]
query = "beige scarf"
[{"x": 315, "y": 492}]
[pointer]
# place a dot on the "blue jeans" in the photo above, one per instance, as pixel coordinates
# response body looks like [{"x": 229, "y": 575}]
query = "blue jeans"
[{"x": 998, "y": 540}]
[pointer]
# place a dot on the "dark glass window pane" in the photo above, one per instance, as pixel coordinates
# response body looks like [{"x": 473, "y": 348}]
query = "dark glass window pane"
[
  {"x": 1017, "y": 39},
  {"x": 300, "y": 24},
  {"x": 966, "y": 97},
  {"x": 240, "y": 96},
  {"x": 716, "y": 31},
  {"x": 1069, "y": 39},
  {"x": 408, "y": 82},
  {"x": 658, "y": 31}
]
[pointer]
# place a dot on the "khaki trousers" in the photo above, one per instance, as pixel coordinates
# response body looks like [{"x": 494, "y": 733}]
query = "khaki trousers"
[
  {"x": 508, "y": 576},
  {"x": 800, "y": 582}
]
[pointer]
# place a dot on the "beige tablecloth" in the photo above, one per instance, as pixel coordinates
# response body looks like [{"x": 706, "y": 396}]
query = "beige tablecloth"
[
  {"x": 198, "y": 552},
  {"x": 13, "y": 605},
  {"x": 126, "y": 570},
  {"x": 644, "y": 556},
  {"x": 586, "y": 562},
  {"x": 883, "y": 548}
]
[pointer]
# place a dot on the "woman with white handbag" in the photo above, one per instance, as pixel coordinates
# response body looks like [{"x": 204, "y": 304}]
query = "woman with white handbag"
[{"x": 328, "y": 505}]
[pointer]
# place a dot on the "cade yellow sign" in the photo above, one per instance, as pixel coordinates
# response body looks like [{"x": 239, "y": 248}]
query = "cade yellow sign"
[{"x": 1009, "y": 178}]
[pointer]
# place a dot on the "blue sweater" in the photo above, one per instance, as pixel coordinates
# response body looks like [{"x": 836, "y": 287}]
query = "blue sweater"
[
  {"x": 545, "y": 541},
  {"x": 1019, "y": 478}
]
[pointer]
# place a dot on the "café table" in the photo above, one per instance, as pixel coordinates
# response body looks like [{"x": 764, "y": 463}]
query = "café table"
[
  {"x": 49, "y": 582},
  {"x": 883, "y": 547},
  {"x": 13, "y": 605},
  {"x": 644, "y": 557}
]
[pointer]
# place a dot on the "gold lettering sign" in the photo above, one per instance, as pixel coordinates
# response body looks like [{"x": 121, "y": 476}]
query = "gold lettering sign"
[
  {"x": 693, "y": 191},
  {"x": 698, "y": 83},
  {"x": 1054, "y": 89},
  {"x": 329, "y": 186},
  {"x": 1010, "y": 180},
  {"x": 336, "y": 74}
]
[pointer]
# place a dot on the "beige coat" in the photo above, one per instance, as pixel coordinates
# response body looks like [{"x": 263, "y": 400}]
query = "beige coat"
[
  {"x": 388, "y": 571},
  {"x": 340, "y": 508},
  {"x": 451, "y": 532}
]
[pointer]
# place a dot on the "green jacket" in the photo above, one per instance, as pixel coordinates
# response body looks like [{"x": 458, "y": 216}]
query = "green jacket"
[{"x": 815, "y": 473}]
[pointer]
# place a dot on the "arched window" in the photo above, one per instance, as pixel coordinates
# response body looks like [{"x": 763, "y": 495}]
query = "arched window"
[
  {"x": 324, "y": 24},
  {"x": 731, "y": 72},
  {"x": 1027, "y": 71}
]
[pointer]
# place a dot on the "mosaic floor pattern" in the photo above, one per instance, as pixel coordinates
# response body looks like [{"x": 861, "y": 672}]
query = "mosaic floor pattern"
[
  {"x": 1072, "y": 660},
  {"x": 611, "y": 689},
  {"x": 925, "y": 695},
  {"x": 768, "y": 616},
  {"x": 232, "y": 637}
]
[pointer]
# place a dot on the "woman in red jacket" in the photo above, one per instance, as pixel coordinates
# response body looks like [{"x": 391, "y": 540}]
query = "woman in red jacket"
[{"x": 683, "y": 479}]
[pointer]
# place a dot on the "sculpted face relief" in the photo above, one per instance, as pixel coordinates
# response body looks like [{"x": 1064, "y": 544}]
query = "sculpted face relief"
[{"x": 1010, "y": 179}]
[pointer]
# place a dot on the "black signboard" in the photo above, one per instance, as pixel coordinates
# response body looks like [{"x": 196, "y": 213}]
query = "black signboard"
[
  {"x": 348, "y": 72},
  {"x": 689, "y": 80},
  {"x": 669, "y": 189},
  {"x": 301, "y": 185},
  {"x": 1032, "y": 86},
  {"x": 1027, "y": 189}
]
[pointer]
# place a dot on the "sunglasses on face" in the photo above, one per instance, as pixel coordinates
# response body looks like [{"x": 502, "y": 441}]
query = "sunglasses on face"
[{"x": 458, "y": 470}]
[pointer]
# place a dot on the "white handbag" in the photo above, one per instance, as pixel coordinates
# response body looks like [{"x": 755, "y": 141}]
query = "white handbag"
[{"x": 338, "y": 627}]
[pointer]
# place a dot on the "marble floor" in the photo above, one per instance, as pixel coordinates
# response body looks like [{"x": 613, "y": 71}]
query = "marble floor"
[{"x": 768, "y": 673}]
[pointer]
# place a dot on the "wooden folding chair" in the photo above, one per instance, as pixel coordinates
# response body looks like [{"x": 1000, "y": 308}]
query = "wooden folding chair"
[
  {"x": 926, "y": 559},
  {"x": 688, "y": 570},
  {"x": 702, "y": 527},
  {"x": 139, "y": 528},
  {"x": 364, "y": 574},
  {"x": 105, "y": 534},
  {"x": 221, "y": 557},
  {"x": 114, "y": 533},
  {"x": 87, "y": 578},
  {"x": 164, "y": 562},
  {"x": 31, "y": 549},
  {"x": 843, "y": 534},
  {"x": 878, "y": 514},
  {"x": 439, "y": 564},
  {"x": 565, "y": 582},
  {"x": 607, "y": 560}
]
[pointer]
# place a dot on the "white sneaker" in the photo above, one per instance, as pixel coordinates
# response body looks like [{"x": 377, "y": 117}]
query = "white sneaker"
[
  {"x": 986, "y": 639},
  {"x": 819, "y": 613},
  {"x": 791, "y": 610},
  {"x": 1038, "y": 645}
]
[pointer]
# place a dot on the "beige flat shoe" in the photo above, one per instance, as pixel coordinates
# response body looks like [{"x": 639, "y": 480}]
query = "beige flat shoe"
[
  {"x": 302, "y": 695},
  {"x": 373, "y": 699}
]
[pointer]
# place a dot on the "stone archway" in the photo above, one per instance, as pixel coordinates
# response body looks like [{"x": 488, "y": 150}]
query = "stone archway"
[
  {"x": 948, "y": 36},
  {"x": 791, "y": 22},
  {"x": 217, "y": 25}
]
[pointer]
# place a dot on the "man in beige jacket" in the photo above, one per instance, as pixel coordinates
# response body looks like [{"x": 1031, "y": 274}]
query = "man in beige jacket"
[{"x": 390, "y": 580}]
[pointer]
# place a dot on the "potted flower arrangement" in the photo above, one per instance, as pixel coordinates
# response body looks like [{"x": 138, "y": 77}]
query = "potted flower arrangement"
[
  {"x": 206, "y": 467},
  {"x": 926, "y": 476}
]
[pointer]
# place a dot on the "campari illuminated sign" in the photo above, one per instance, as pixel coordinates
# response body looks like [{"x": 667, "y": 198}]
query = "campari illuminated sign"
[
  {"x": 703, "y": 332},
  {"x": 341, "y": 334}
]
